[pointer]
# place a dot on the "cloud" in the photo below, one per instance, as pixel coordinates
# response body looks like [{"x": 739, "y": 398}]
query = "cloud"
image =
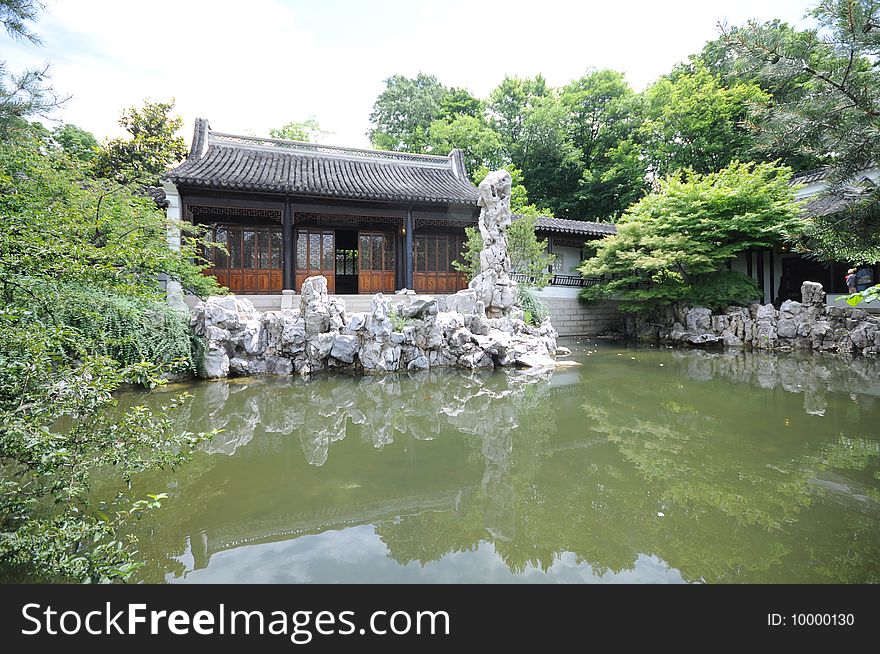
[{"x": 259, "y": 64}]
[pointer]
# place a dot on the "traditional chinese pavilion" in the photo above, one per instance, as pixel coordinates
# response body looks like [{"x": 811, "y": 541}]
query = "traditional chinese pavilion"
[{"x": 368, "y": 220}]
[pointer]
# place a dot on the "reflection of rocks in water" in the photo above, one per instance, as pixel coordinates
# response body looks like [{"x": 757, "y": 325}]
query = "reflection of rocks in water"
[
  {"x": 484, "y": 405},
  {"x": 814, "y": 375},
  {"x": 420, "y": 404}
]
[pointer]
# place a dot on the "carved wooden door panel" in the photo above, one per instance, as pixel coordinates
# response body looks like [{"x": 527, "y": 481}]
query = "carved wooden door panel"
[
  {"x": 315, "y": 255},
  {"x": 252, "y": 263},
  {"x": 376, "y": 260},
  {"x": 432, "y": 263}
]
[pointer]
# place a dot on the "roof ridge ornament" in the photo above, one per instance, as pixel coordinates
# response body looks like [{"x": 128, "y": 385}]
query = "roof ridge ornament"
[{"x": 201, "y": 132}]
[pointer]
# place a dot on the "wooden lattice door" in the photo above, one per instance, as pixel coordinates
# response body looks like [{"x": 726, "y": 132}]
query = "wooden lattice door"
[
  {"x": 315, "y": 255},
  {"x": 376, "y": 260}
]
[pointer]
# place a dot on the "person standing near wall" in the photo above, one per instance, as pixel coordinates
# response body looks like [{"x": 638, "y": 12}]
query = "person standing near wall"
[
  {"x": 850, "y": 280},
  {"x": 864, "y": 278}
]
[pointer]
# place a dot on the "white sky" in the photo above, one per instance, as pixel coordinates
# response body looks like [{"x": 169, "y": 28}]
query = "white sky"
[{"x": 251, "y": 65}]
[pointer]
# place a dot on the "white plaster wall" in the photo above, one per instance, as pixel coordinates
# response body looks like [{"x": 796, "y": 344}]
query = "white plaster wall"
[
  {"x": 567, "y": 260},
  {"x": 570, "y": 292},
  {"x": 740, "y": 264},
  {"x": 173, "y": 289}
]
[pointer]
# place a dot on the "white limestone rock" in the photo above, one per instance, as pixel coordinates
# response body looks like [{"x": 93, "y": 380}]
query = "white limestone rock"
[
  {"x": 281, "y": 366},
  {"x": 380, "y": 326},
  {"x": 461, "y": 340},
  {"x": 213, "y": 333},
  {"x": 766, "y": 335},
  {"x": 493, "y": 285},
  {"x": 463, "y": 302},
  {"x": 356, "y": 323},
  {"x": 345, "y": 347},
  {"x": 786, "y": 328},
  {"x": 293, "y": 334},
  {"x": 244, "y": 367},
  {"x": 215, "y": 364},
  {"x": 813, "y": 294},
  {"x": 337, "y": 318},
  {"x": 246, "y": 310},
  {"x": 219, "y": 311},
  {"x": 864, "y": 335},
  {"x": 420, "y": 307},
  {"x": 419, "y": 363},
  {"x": 314, "y": 305},
  {"x": 254, "y": 339},
  {"x": 535, "y": 360},
  {"x": 476, "y": 359},
  {"x": 699, "y": 320}
]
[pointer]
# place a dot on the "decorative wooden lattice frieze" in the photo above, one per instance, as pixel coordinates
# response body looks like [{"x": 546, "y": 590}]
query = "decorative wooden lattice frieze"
[
  {"x": 567, "y": 243},
  {"x": 206, "y": 212},
  {"x": 441, "y": 222},
  {"x": 305, "y": 218}
]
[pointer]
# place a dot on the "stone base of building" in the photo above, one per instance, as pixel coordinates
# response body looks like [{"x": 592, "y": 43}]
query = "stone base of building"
[
  {"x": 573, "y": 317},
  {"x": 570, "y": 316}
]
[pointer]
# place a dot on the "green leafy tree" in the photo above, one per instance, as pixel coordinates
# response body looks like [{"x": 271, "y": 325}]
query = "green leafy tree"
[
  {"x": 852, "y": 233},
  {"x": 15, "y": 16},
  {"x": 510, "y": 104},
  {"x": 76, "y": 142},
  {"x": 836, "y": 117},
  {"x": 459, "y": 102},
  {"x": 404, "y": 111},
  {"x": 308, "y": 130},
  {"x": 550, "y": 162},
  {"x": 152, "y": 146},
  {"x": 694, "y": 121},
  {"x": 579, "y": 149},
  {"x": 674, "y": 244},
  {"x": 480, "y": 144},
  {"x": 837, "y": 114},
  {"x": 27, "y": 93},
  {"x": 599, "y": 120},
  {"x": 731, "y": 69},
  {"x": 81, "y": 313}
]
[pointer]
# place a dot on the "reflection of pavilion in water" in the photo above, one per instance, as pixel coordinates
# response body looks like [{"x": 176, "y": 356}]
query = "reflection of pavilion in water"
[{"x": 485, "y": 407}]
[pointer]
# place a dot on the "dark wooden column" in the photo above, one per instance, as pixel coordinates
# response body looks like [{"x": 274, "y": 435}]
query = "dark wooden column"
[
  {"x": 760, "y": 261},
  {"x": 409, "y": 224},
  {"x": 773, "y": 285},
  {"x": 399, "y": 274},
  {"x": 287, "y": 249}
]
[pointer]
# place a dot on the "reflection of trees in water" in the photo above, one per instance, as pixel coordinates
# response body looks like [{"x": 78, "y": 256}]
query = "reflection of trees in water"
[
  {"x": 588, "y": 472},
  {"x": 729, "y": 479},
  {"x": 736, "y": 504}
]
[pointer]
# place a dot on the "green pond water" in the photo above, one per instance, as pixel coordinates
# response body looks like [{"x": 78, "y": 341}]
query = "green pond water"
[{"x": 643, "y": 465}]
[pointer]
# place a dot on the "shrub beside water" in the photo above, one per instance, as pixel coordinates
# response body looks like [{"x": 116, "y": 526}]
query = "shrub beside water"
[
  {"x": 534, "y": 309},
  {"x": 129, "y": 329}
]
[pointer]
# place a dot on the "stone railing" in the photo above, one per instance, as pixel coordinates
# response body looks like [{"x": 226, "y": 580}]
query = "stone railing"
[{"x": 558, "y": 280}]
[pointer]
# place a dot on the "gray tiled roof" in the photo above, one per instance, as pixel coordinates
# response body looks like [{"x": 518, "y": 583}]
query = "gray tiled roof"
[
  {"x": 245, "y": 163},
  {"x": 825, "y": 205},
  {"x": 810, "y": 176},
  {"x": 579, "y": 227}
]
